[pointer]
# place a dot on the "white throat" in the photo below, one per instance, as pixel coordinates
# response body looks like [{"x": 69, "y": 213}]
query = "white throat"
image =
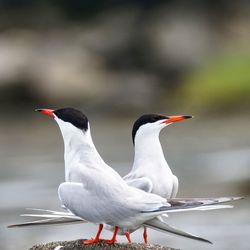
[
  {"x": 79, "y": 150},
  {"x": 148, "y": 150}
]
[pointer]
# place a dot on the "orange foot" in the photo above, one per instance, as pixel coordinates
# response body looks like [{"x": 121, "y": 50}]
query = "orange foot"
[
  {"x": 110, "y": 242},
  {"x": 113, "y": 240},
  {"x": 90, "y": 241},
  {"x": 96, "y": 239}
]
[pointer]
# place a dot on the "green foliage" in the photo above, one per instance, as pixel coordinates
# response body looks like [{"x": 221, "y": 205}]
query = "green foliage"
[{"x": 223, "y": 82}]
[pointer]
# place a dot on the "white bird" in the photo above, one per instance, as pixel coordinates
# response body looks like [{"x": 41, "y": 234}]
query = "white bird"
[
  {"x": 87, "y": 176},
  {"x": 107, "y": 197},
  {"x": 150, "y": 170}
]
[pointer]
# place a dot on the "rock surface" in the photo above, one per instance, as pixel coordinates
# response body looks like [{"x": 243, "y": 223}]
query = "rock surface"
[{"x": 77, "y": 245}]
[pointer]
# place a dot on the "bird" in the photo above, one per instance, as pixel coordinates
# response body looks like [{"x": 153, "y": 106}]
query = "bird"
[
  {"x": 84, "y": 164},
  {"x": 150, "y": 170},
  {"x": 79, "y": 148},
  {"x": 78, "y": 144}
]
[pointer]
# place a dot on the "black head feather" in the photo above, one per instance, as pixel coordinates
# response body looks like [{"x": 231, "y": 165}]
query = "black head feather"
[
  {"x": 148, "y": 118},
  {"x": 74, "y": 116}
]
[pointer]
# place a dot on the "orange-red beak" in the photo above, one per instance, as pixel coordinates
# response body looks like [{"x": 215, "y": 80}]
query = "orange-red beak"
[
  {"x": 48, "y": 112},
  {"x": 176, "y": 118}
]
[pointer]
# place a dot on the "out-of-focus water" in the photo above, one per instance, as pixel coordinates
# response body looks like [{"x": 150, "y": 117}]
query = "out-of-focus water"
[{"x": 211, "y": 158}]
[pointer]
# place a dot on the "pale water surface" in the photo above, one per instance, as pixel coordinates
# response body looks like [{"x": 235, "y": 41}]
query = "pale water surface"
[{"x": 211, "y": 158}]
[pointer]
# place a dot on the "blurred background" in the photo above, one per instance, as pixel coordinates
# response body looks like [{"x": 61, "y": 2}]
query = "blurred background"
[{"x": 116, "y": 60}]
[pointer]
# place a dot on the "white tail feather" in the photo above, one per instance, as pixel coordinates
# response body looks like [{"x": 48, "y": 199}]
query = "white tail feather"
[
  {"x": 52, "y": 216},
  {"x": 203, "y": 208}
]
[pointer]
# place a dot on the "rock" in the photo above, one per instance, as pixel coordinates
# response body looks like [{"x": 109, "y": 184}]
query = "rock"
[{"x": 77, "y": 245}]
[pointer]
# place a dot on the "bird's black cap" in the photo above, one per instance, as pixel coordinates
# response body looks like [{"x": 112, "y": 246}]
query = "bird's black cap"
[
  {"x": 150, "y": 118},
  {"x": 147, "y": 118},
  {"x": 74, "y": 116}
]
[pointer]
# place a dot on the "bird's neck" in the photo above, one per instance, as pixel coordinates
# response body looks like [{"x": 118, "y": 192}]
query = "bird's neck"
[
  {"x": 148, "y": 150},
  {"x": 79, "y": 151}
]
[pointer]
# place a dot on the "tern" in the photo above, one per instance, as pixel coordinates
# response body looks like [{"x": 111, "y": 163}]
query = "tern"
[
  {"x": 89, "y": 178},
  {"x": 150, "y": 170},
  {"x": 84, "y": 165}
]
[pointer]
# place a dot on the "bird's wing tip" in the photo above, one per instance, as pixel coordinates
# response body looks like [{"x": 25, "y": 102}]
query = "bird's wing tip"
[
  {"x": 209, "y": 242},
  {"x": 238, "y": 198}
]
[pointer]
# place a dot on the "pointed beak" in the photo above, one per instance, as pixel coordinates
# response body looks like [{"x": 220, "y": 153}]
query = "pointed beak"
[
  {"x": 48, "y": 112},
  {"x": 176, "y": 118}
]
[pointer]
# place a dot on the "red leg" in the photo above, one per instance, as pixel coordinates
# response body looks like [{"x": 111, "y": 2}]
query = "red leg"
[
  {"x": 145, "y": 235},
  {"x": 97, "y": 237},
  {"x": 127, "y": 234},
  {"x": 113, "y": 240}
]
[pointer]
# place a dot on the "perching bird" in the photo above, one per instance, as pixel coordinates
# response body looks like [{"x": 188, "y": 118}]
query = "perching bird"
[
  {"x": 150, "y": 171},
  {"x": 82, "y": 159},
  {"x": 84, "y": 164}
]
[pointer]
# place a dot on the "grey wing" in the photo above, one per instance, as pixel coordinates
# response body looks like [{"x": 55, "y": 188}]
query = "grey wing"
[
  {"x": 161, "y": 226},
  {"x": 185, "y": 204},
  {"x": 196, "y": 204},
  {"x": 48, "y": 222},
  {"x": 175, "y": 187},
  {"x": 142, "y": 183}
]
